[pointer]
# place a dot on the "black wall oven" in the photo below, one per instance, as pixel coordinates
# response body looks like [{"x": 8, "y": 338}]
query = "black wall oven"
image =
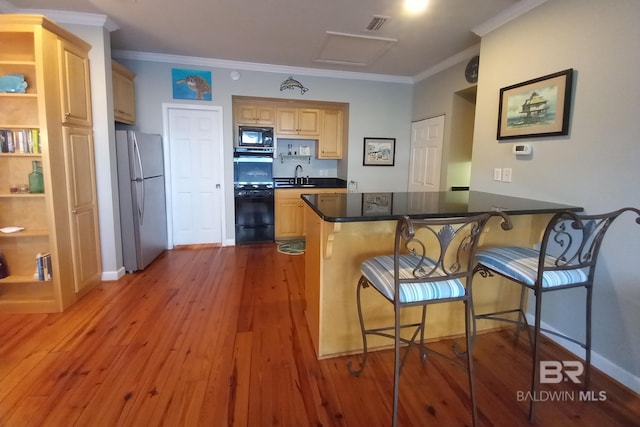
[{"x": 253, "y": 196}]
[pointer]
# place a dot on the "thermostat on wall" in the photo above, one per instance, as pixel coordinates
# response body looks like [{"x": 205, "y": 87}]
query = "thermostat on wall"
[{"x": 521, "y": 149}]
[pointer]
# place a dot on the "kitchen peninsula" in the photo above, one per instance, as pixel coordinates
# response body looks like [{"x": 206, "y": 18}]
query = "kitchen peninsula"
[{"x": 342, "y": 230}]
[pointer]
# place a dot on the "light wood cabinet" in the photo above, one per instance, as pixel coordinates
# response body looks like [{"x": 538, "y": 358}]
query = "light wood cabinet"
[
  {"x": 323, "y": 121},
  {"x": 289, "y": 210},
  {"x": 254, "y": 114},
  {"x": 83, "y": 206},
  {"x": 75, "y": 85},
  {"x": 62, "y": 221},
  {"x": 329, "y": 145},
  {"x": 289, "y": 214},
  {"x": 302, "y": 122},
  {"x": 124, "y": 101}
]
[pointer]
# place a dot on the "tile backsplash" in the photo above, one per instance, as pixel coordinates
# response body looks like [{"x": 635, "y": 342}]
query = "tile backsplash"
[{"x": 284, "y": 166}]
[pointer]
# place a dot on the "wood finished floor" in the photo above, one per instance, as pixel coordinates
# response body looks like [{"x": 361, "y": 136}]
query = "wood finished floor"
[{"x": 217, "y": 337}]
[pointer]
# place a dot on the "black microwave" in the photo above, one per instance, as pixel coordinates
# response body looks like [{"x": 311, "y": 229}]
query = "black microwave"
[{"x": 255, "y": 137}]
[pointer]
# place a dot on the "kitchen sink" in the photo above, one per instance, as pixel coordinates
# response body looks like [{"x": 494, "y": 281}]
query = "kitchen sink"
[
  {"x": 308, "y": 182},
  {"x": 295, "y": 185}
]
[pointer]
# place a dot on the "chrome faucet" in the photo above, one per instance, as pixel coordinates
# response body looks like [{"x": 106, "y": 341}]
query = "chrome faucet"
[{"x": 295, "y": 176}]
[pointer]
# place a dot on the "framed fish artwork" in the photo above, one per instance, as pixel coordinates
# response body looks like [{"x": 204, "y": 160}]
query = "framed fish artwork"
[{"x": 191, "y": 84}]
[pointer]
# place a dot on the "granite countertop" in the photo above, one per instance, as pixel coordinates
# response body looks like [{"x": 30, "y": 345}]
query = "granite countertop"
[
  {"x": 354, "y": 207},
  {"x": 304, "y": 182}
]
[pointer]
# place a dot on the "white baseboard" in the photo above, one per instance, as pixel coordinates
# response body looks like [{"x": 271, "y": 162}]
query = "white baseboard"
[
  {"x": 624, "y": 377},
  {"x": 108, "y": 276}
]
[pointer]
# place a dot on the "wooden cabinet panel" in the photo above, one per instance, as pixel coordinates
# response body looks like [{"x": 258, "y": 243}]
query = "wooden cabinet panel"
[
  {"x": 289, "y": 219},
  {"x": 330, "y": 143},
  {"x": 254, "y": 114},
  {"x": 124, "y": 102},
  {"x": 308, "y": 121},
  {"x": 75, "y": 85},
  {"x": 290, "y": 212},
  {"x": 298, "y": 121},
  {"x": 83, "y": 206},
  {"x": 287, "y": 121}
]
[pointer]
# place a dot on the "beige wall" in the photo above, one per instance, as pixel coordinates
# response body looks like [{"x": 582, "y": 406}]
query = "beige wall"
[{"x": 595, "y": 166}]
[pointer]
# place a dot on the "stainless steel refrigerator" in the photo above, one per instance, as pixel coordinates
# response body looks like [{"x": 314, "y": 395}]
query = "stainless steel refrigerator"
[{"x": 143, "y": 218}]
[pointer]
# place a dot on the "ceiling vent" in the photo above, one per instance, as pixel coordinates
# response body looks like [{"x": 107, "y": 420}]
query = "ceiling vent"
[
  {"x": 353, "y": 49},
  {"x": 377, "y": 22}
]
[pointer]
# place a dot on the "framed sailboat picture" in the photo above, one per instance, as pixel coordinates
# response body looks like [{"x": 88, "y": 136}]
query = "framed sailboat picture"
[{"x": 536, "y": 108}]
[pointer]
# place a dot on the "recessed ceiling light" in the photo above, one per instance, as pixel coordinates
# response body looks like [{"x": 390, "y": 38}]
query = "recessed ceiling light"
[{"x": 415, "y": 6}]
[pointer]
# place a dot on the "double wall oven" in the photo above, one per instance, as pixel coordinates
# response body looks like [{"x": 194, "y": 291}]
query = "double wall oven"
[{"x": 253, "y": 195}]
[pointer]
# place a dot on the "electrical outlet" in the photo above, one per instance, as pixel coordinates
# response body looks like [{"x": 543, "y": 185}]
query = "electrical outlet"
[
  {"x": 506, "y": 175},
  {"x": 497, "y": 174}
]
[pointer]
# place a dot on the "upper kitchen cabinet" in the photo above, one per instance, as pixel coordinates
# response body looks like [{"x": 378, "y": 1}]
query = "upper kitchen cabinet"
[
  {"x": 75, "y": 84},
  {"x": 254, "y": 114},
  {"x": 332, "y": 135},
  {"x": 326, "y": 122},
  {"x": 302, "y": 122},
  {"x": 124, "y": 102}
]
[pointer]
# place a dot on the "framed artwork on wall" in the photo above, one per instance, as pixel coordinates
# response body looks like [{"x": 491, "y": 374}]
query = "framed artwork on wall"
[
  {"x": 536, "y": 108},
  {"x": 379, "y": 152},
  {"x": 191, "y": 84}
]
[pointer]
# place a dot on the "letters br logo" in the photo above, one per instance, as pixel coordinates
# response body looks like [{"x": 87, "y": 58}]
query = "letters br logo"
[{"x": 554, "y": 372}]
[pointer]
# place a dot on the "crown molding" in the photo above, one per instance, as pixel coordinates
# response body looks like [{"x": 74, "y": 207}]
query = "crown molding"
[
  {"x": 251, "y": 66},
  {"x": 66, "y": 17},
  {"x": 506, "y": 16}
]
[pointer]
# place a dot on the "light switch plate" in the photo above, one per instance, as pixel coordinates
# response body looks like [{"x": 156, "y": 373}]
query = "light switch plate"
[
  {"x": 506, "y": 175},
  {"x": 497, "y": 174}
]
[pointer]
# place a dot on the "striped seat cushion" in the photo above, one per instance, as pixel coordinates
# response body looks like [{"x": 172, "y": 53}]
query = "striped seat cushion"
[
  {"x": 379, "y": 272},
  {"x": 521, "y": 264}
]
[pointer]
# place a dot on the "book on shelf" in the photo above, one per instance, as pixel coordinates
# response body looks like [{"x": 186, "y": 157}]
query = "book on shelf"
[
  {"x": 20, "y": 141},
  {"x": 43, "y": 267}
]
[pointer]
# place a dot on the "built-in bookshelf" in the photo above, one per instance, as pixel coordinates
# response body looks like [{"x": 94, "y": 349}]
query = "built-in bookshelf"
[
  {"x": 20, "y": 145},
  {"x": 41, "y": 234}
]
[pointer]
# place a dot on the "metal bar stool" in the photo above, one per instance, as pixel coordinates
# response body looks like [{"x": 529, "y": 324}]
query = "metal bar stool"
[
  {"x": 432, "y": 263},
  {"x": 566, "y": 259}
]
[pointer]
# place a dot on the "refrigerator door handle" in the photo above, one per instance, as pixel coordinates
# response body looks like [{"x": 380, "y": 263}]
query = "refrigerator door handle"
[
  {"x": 140, "y": 199},
  {"x": 141, "y": 179},
  {"x": 142, "y": 209},
  {"x": 136, "y": 149}
]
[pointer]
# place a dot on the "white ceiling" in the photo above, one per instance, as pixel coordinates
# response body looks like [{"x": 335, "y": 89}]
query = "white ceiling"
[{"x": 296, "y": 33}]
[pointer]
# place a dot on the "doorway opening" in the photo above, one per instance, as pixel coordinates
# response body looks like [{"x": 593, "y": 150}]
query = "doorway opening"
[{"x": 461, "y": 140}]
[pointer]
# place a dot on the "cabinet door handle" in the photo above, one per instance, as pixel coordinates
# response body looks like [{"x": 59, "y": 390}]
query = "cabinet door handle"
[{"x": 66, "y": 115}]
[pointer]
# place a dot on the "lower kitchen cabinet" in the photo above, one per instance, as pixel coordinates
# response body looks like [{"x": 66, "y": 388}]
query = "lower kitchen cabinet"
[{"x": 289, "y": 210}]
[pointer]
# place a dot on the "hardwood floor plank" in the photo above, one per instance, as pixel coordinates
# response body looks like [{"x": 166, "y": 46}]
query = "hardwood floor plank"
[
  {"x": 239, "y": 381},
  {"x": 212, "y": 336}
]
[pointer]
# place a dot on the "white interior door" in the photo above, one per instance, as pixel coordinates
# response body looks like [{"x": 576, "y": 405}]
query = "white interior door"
[
  {"x": 425, "y": 160},
  {"x": 196, "y": 169}
]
